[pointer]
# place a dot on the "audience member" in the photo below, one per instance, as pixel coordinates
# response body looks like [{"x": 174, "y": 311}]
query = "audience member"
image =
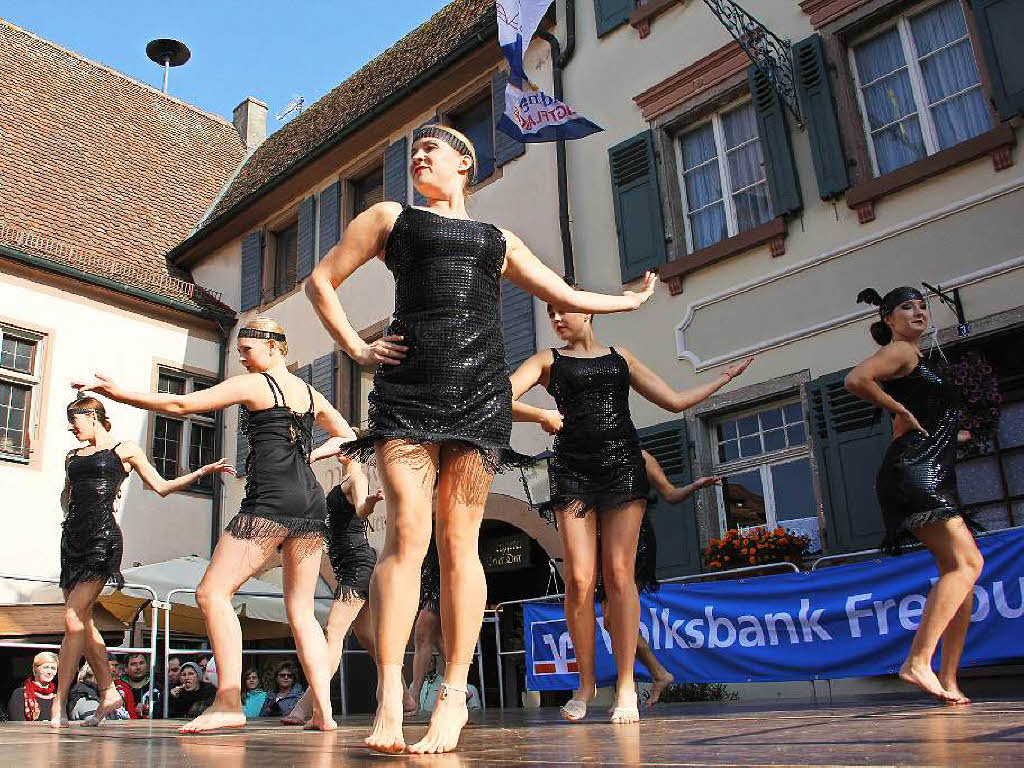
[
  {"x": 284, "y": 691},
  {"x": 192, "y": 694},
  {"x": 32, "y": 700},
  {"x": 253, "y": 696}
]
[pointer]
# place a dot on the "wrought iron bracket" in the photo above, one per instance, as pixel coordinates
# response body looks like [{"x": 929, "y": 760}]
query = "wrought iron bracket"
[
  {"x": 771, "y": 54},
  {"x": 952, "y": 300}
]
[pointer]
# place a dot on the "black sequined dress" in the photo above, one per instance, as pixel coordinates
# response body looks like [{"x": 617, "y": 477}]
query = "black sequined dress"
[
  {"x": 91, "y": 543},
  {"x": 916, "y": 483},
  {"x": 598, "y": 464},
  {"x": 430, "y": 580},
  {"x": 282, "y": 496},
  {"x": 350, "y": 553},
  {"x": 452, "y": 387}
]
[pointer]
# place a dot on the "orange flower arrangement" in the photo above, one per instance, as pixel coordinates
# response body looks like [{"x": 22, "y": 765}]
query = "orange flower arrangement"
[{"x": 754, "y": 547}]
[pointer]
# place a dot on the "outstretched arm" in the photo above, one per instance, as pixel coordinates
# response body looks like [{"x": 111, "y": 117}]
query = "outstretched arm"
[
  {"x": 531, "y": 274},
  {"x": 133, "y": 455},
  {"x": 229, "y": 392},
  {"x": 673, "y": 495},
  {"x": 654, "y": 388},
  {"x": 363, "y": 239}
]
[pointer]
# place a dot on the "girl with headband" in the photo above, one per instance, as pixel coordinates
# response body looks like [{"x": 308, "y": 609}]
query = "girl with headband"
[
  {"x": 441, "y": 405},
  {"x": 916, "y": 483},
  {"x": 91, "y": 543},
  {"x": 599, "y": 488},
  {"x": 283, "y": 509}
]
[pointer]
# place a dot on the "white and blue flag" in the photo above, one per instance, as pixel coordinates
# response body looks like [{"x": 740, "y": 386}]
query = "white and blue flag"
[{"x": 530, "y": 114}]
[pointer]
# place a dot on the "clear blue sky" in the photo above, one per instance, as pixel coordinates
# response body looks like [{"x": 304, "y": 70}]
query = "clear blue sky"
[{"x": 270, "y": 49}]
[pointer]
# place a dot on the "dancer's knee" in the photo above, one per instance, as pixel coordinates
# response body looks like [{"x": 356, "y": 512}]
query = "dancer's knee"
[
  {"x": 74, "y": 620},
  {"x": 580, "y": 582},
  {"x": 619, "y": 580}
]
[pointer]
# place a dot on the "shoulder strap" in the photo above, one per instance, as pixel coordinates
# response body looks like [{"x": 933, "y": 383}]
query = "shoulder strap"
[
  {"x": 114, "y": 447},
  {"x": 554, "y": 353},
  {"x": 275, "y": 388},
  {"x": 310, "y": 390}
]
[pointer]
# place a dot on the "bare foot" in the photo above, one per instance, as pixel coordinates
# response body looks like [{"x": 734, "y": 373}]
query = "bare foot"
[
  {"x": 386, "y": 735},
  {"x": 575, "y": 709},
  {"x": 953, "y": 689},
  {"x": 320, "y": 723},
  {"x": 215, "y": 719},
  {"x": 625, "y": 710},
  {"x": 301, "y": 712},
  {"x": 924, "y": 678},
  {"x": 446, "y": 723},
  {"x": 57, "y": 721},
  {"x": 409, "y": 703},
  {"x": 658, "y": 685},
  {"x": 110, "y": 701}
]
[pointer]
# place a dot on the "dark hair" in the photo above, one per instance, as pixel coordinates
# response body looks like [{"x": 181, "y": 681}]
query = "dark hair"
[
  {"x": 133, "y": 655},
  {"x": 251, "y": 671},
  {"x": 89, "y": 403},
  {"x": 284, "y": 666},
  {"x": 880, "y": 332}
]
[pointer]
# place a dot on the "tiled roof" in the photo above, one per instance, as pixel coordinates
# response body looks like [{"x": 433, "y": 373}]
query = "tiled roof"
[
  {"x": 102, "y": 172},
  {"x": 358, "y": 95}
]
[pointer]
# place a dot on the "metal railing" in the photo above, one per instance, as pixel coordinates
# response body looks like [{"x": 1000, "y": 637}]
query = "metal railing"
[{"x": 154, "y": 628}]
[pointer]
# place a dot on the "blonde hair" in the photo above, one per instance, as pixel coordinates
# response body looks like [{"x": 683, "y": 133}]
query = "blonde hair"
[
  {"x": 43, "y": 657},
  {"x": 263, "y": 323},
  {"x": 469, "y": 145}
]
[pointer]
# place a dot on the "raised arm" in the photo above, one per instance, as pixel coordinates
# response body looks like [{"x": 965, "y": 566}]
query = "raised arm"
[
  {"x": 654, "y": 388},
  {"x": 533, "y": 371},
  {"x": 363, "y": 239},
  {"x": 524, "y": 269},
  {"x": 236, "y": 390},
  {"x": 133, "y": 455},
  {"x": 891, "y": 361},
  {"x": 673, "y": 495}
]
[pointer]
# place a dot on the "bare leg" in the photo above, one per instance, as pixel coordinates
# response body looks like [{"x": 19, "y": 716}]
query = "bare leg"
[
  {"x": 234, "y": 561},
  {"x": 619, "y": 531},
  {"x": 959, "y": 563},
  {"x": 407, "y": 473},
  {"x": 78, "y": 603},
  {"x": 953, "y": 641},
  {"x": 660, "y": 677},
  {"x": 463, "y": 490},
  {"x": 426, "y": 637},
  {"x": 579, "y": 540},
  {"x": 96, "y": 654}
]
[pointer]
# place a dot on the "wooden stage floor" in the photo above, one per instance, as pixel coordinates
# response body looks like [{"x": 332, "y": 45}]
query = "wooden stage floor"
[{"x": 857, "y": 733}]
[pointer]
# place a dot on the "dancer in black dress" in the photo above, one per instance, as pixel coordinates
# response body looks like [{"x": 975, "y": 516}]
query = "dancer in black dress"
[
  {"x": 916, "y": 483},
  {"x": 349, "y": 505},
  {"x": 599, "y": 480},
  {"x": 440, "y": 406},
  {"x": 91, "y": 543},
  {"x": 426, "y": 631},
  {"x": 283, "y": 508}
]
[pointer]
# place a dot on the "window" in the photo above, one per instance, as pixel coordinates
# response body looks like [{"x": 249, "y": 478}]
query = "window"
[
  {"x": 766, "y": 468},
  {"x": 182, "y": 445},
  {"x": 19, "y": 365},
  {"x": 286, "y": 258},
  {"x": 919, "y": 87},
  {"x": 475, "y": 121},
  {"x": 722, "y": 198},
  {"x": 367, "y": 191}
]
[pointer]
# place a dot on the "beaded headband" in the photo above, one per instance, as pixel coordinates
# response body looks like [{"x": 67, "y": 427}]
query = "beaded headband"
[
  {"x": 449, "y": 138},
  {"x": 255, "y": 333},
  {"x": 891, "y": 300},
  {"x": 76, "y": 411}
]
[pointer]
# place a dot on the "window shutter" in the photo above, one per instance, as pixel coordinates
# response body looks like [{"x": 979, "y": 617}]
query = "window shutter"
[
  {"x": 396, "y": 171},
  {"x": 252, "y": 270},
  {"x": 417, "y": 198},
  {"x": 638, "y": 219},
  {"x": 324, "y": 375},
  {"x": 999, "y": 26},
  {"x": 612, "y": 14},
  {"x": 850, "y": 438},
  {"x": 305, "y": 235},
  {"x": 517, "y": 326},
  {"x": 776, "y": 147},
  {"x": 305, "y": 372},
  {"x": 241, "y": 447},
  {"x": 505, "y": 147},
  {"x": 330, "y": 217},
  {"x": 675, "y": 525},
  {"x": 815, "y": 91}
]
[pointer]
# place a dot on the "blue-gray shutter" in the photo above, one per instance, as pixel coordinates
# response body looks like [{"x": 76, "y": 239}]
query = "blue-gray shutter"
[
  {"x": 306, "y": 233},
  {"x": 850, "y": 438},
  {"x": 776, "y": 146},
  {"x": 330, "y": 217},
  {"x": 505, "y": 147},
  {"x": 324, "y": 375},
  {"x": 241, "y": 447},
  {"x": 305, "y": 372},
  {"x": 612, "y": 14},
  {"x": 396, "y": 171},
  {"x": 675, "y": 525},
  {"x": 1000, "y": 23},
  {"x": 417, "y": 198},
  {"x": 814, "y": 88},
  {"x": 517, "y": 325},
  {"x": 251, "y": 270},
  {"x": 638, "y": 220}
]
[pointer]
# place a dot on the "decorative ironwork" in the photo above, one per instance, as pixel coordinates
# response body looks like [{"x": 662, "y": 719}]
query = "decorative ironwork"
[{"x": 771, "y": 54}]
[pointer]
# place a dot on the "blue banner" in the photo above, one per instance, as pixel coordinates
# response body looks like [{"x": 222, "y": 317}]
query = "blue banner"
[{"x": 843, "y": 621}]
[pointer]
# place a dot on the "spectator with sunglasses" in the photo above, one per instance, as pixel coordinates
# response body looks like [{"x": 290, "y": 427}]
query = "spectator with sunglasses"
[{"x": 283, "y": 692}]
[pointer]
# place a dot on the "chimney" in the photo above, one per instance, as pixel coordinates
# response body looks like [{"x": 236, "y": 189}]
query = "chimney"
[{"x": 250, "y": 119}]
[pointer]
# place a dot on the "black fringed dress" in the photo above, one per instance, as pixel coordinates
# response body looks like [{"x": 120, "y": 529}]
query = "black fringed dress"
[{"x": 350, "y": 553}]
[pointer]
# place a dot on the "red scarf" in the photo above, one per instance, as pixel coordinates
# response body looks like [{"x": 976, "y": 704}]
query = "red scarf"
[{"x": 33, "y": 689}]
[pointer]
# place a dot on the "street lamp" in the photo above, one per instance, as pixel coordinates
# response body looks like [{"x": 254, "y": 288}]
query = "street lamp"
[{"x": 535, "y": 477}]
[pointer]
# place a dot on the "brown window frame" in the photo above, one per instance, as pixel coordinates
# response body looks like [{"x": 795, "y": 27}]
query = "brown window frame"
[{"x": 31, "y": 382}]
